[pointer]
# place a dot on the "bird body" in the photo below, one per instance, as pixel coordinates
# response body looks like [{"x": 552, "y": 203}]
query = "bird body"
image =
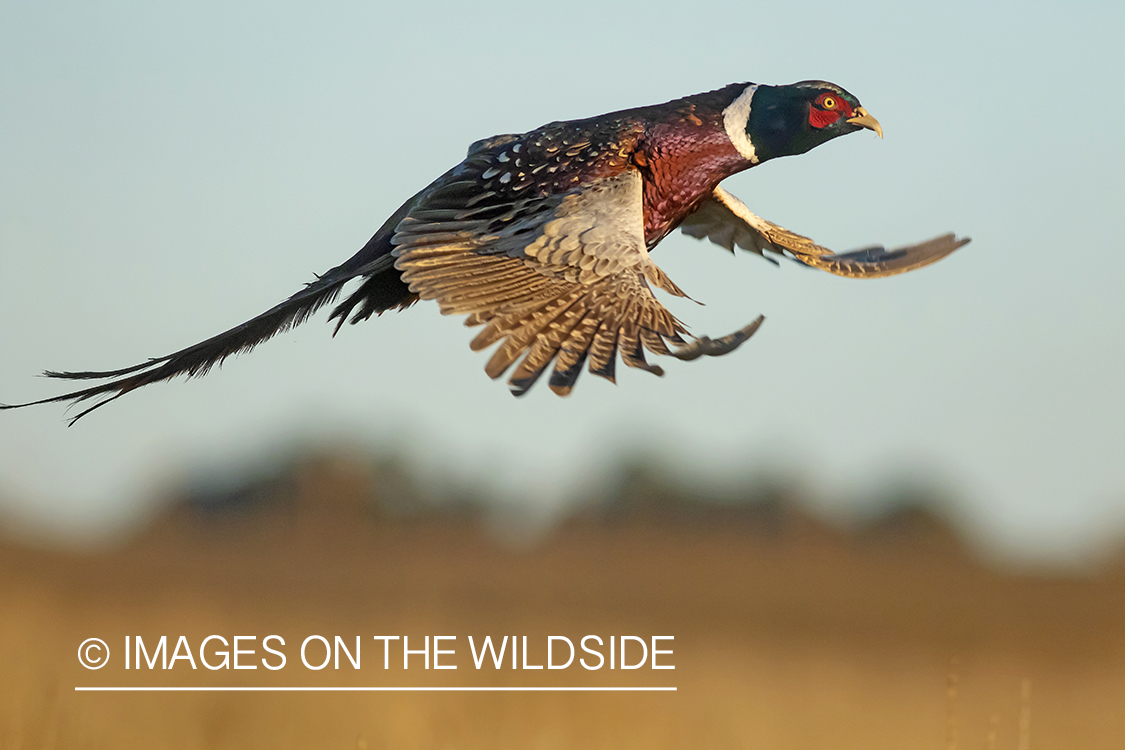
[{"x": 543, "y": 238}]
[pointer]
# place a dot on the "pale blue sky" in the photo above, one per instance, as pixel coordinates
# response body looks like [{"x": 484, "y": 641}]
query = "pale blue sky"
[{"x": 167, "y": 172}]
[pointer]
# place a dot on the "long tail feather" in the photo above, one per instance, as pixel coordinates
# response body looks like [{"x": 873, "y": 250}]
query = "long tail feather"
[
  {"x": 373, "y": 260},
  {"x": 196, "y": 360}
]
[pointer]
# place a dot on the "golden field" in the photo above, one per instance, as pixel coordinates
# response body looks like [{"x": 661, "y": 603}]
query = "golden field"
[{"x": 787, "y": 633}]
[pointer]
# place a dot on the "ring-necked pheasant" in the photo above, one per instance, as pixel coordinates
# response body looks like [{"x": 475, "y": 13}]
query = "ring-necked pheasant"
[{"x": 543, "y": 238}]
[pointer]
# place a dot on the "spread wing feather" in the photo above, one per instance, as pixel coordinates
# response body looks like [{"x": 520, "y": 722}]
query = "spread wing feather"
[
  {"x": 726, "y": 221},
  {"x": 555, "y": 278},
  {"x": 556, "y": 272}
]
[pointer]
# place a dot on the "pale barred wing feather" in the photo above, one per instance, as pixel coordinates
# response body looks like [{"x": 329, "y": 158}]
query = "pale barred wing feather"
[
  {"x": 726, "y": 221},
  {"x": 715, "y": 221},
  {"x": 560, "y": 278}
]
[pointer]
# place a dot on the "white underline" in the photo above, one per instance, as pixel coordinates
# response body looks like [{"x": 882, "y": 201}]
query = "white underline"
[{"x": 374, "y": 689}]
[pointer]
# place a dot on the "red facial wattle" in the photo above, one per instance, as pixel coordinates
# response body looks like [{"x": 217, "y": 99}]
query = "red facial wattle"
[
  {"x": 827, "y": 109},
  {"x": 822, "y": 118}
]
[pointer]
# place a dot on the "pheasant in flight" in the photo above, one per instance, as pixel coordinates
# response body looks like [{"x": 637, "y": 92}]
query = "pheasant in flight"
[{"x": 543, "y": 239}]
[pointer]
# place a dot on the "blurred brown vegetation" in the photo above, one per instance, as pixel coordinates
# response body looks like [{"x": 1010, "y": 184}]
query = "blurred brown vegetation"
[{"x": 789, "y": 633}]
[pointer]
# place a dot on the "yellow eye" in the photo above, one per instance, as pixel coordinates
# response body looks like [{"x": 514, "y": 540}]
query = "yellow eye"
[{"x": 828, "y": 102}]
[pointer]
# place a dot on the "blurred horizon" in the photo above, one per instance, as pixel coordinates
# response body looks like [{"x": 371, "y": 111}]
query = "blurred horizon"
[{"x": 639, "y": 487}]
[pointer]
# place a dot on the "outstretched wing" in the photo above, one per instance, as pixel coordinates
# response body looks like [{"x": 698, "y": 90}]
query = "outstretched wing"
[
  {"x": 726, "y": 221},
  {"x": 559, "y": 275}
]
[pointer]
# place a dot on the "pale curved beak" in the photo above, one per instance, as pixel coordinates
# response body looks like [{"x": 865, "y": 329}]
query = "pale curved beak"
[{"x": 864, "y": 119}]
